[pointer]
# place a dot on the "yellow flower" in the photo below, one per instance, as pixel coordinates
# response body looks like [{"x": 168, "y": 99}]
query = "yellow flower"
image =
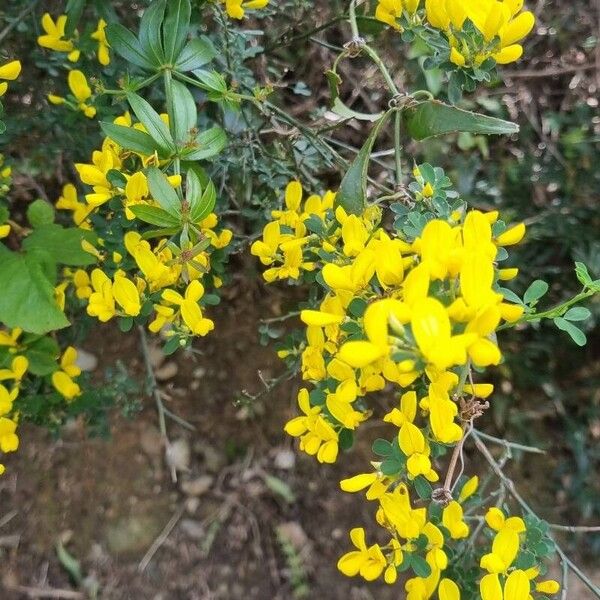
[
  {"x": 101, "y": 302},
  {"x": 388, "y": 11},
  {"x": 505, "y": 548},
  {"x": 452, "y": 519},
  {"x": 54, "y": 37},
  {"x": 9, "y": 442},
  {"x": 547, "y": 587},
  {"x": 368, "y": 562},
  {"x": 468, "y": 489},
  {"x": 189, "y": 308},
  {"x": 65, "y": 386},
  {"x": 9, "y": 72},
  {"x": 448, "y": 590},
  {"x": 516, "y": 587},
  {"x": 100, "y": 36},
  {"x": 127, "y": 295},
  {"x": 6, "y": 399},
  {"x": 317, "y": 436},
  {"x": 236, "y": 8},
  {"x": 17, "y": 370}
]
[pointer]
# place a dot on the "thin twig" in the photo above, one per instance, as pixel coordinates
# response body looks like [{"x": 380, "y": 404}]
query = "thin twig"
[
  {"x": 17, "y": 20},
  {"x": 161, "y": 539},
  {"x": 509, "y": 444},
  {"x": 35, "y": 592}
]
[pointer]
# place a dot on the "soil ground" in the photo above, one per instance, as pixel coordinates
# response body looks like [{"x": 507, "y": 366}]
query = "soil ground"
[{"x": 249, "y": 517}]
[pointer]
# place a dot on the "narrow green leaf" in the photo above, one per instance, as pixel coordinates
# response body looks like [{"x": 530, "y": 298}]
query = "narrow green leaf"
[
  {"x": 154, "y": 215},
  {"x": 186, "y": 114},
  {"x": 151, "y": 120},
  {"x": 339, "y": 108},
  {"x": 69, "y": 562},
  {"x": 193, "y": 188},
  {"x": 207, "y": 144},
  {"x": 433, "y": 118},
  {"x": 73, "y": 10},
  {"x": 205, "y": 204},
  {"x": 162, "y": 191},
  {"x": 130, "y": 138},
  {"x": 61, "y": 244},
  {"x": 211, "y": 81},
  {"x": 175, "y": 28},
  {"x": 151, "y": 32},
  {"x": 27, "y": 299},
  {"x": 124, "y": 43},
  {"x": 352, "y": 195},
  {"x": 535, "y": 291},
  {"x": 576, "y": 334},
  {"x": 195, "y": 54}
]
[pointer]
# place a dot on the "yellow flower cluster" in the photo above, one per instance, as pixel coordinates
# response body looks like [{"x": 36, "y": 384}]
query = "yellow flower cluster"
[
  {"x": 476, "y": 30},
  {"x": 236, "y": 9},
  {"x": 54, "y": 38},
  {"x": 15, "y": 366},
  {"x": 394, "y": 311},
  {"x": 167, "y": 278},
  {"x": 415, "y": 312},
  {"x": 500, "y": 25},
  {"x": 81, "y": 93}
]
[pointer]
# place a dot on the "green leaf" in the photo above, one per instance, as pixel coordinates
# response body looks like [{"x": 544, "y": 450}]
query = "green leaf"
[
  {"x": 195, "y": 54},
  {"x": 583, "y": 274},
  {"x": 576, "y": 334},
  {"x": 39, "y": 213},
  {"x": 382, "y": 447},
  {"x": 130, "y": 138},
  {"x": 535, "y": 291},
  {"x": 577, "y": 313},
  {"x": 420, "y": 566},
  {"x": 125, "y": 324},
  {"x": 42, "y": 355},
  {"x": 70, "y": 563},
  {"x": 422, "y": 487},
  {"x": 150, "y": 31},
  {"x": 175, "y": 28},
  {"x": 207, "y": 144},
  {"x": 151, "y": 120},
  {"x": 339, "y": 108},
  {"x": 212, "y": 81},
  {"x": 203, "y": 205},
  {"x": 433, "y": 118},
  {"x": 154, "y": 215},
  {"x": 352, "y": 195},
  {"x": 162, "y": 191},
  {"x": 391, "y": 466},
  {"x": 124, "y": 43},
  {"x": 185, "y": 111},
  {"x": 73, "y": 10},
  {"x": 193, "y": 188},
  {"x": 61, "y": 244},
  {"x": 280, "y": 487},
  {"x": 27, "y": 299}
]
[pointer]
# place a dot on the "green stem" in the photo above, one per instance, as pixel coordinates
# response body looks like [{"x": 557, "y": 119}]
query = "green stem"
[
  {"x": 559, "y": 310},
  {"x": 398, "y": 147}
]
